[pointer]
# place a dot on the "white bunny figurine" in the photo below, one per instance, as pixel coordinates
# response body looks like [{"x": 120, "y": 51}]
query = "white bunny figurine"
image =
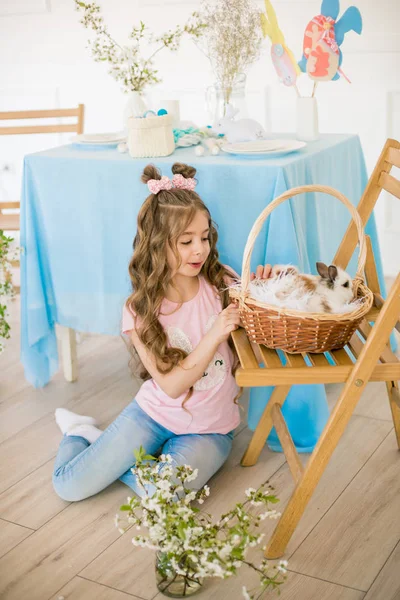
[
  {"x": 327, "y": 293},
  {"x": 242, "y": 130}
]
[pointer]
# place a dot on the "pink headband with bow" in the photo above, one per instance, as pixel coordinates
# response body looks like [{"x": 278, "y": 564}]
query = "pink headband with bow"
[{"x": 165, "y": 183}]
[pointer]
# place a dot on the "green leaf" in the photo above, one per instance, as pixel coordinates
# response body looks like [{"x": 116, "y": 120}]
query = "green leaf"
[
  {"x": 125, "y": 507},
  {"x": 181, "y": 530},
  {"x": 139, "y": 454}
]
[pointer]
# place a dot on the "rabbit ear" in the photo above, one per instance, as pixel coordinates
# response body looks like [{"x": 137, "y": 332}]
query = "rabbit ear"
[
  {"x": 179, "y": 339},
  {"x": 323, "y": 270},
  {"x": 231, "y": 111},
  {"x": 350, "y": 21},
  {"x": 333, "y": 272}
]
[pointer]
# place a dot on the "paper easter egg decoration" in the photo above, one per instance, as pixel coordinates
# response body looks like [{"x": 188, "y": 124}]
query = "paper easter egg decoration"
[
  {"x": 282, "y": 58},
  {"x": 320, "y": 49},
  {"x": 324, "y": 34}
]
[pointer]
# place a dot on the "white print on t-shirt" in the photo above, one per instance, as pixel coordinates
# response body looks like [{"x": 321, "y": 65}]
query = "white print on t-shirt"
[{"x": 216, "y": 369}]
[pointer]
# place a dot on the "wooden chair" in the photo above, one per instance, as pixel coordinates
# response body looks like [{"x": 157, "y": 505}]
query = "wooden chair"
[
  {"x": 10, "y": 221},
  {"x": 373, "y": 361}
]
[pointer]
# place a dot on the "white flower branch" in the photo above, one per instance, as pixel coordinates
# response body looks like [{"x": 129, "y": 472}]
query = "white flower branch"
[
  {"x": 127, "y": 66},
  {"x": 190, "y": 543}
]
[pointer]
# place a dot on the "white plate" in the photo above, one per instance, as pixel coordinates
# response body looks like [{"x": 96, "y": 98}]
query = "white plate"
[
  {"x": 265, "y": 147},
  {"x": 98, "y": 138}
]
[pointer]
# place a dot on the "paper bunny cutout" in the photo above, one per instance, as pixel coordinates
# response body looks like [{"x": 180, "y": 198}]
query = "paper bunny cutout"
[
  {"x": 282, "y": 58},
  {"x": 216, "y": 369}
]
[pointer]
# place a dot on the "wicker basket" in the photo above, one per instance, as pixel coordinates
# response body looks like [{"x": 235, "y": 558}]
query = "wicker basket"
[
  {"x": 151, "y": 136},
  {"x": 292, "y": 330}
]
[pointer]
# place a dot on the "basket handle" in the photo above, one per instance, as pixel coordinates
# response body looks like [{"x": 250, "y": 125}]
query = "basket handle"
[{"x": 255, "y": 230}]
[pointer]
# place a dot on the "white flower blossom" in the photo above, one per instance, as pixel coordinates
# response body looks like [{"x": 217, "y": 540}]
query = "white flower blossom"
[
  {"x": 166, "y": 458},
  {"x": 193, "y": 476},
  {"x": 191, "y": 496},
  {"x": 164, "y": 484},
  {"x": 225, "y": 551},
  {"x": 282, "y": 567}
]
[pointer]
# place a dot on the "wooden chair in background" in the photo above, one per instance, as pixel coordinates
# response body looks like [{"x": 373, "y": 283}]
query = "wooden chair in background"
[
  {"x": 9, "y": 221},
  {"x": 373, "y": 360}
]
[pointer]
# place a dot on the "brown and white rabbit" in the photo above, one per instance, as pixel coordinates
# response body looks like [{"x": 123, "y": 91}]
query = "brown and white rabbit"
[{"x": 327, "y": 292}]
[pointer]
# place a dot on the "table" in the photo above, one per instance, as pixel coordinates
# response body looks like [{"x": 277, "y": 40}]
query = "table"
[{"x": 78, "y": 221}]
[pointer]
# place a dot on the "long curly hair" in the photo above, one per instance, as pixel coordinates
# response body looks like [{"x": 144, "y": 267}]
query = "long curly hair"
[{"x": 162, "y": 219}]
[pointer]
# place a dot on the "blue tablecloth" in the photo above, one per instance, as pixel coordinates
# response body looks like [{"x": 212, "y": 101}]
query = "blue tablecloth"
[{"x": 78, "y": 220}]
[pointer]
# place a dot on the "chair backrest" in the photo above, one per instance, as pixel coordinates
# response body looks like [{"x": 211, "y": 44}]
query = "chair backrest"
[
  {"x": 380, "y": 179},
  {"x": 43, "y": 114}
]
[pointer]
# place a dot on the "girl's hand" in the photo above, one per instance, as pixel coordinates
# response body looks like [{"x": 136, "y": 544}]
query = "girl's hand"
[
  {"x": 261, "y": 272},
  {"x": 227, "y": 321}
]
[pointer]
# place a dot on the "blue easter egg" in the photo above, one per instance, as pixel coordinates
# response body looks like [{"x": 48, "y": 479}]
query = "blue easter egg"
[{"x": 161, "y": 112}]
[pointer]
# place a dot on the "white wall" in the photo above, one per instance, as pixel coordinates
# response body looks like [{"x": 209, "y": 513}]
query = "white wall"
[{"x": 44, "y": 63}]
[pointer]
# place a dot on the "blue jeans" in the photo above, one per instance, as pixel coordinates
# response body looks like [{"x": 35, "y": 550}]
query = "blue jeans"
[{"x": 82, "y": 469}]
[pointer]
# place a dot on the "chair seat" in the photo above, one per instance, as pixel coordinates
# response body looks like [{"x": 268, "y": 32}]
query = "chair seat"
[{"x": 281, "y": 368}]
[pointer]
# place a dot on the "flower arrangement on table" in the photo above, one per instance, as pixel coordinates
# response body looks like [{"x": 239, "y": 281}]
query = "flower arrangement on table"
[
  {"x": 231, "y": 39},
  {"x": 127, "y": 65},
  {"x": 6, "y": 287},
  {"x": 190, "y": 546}
]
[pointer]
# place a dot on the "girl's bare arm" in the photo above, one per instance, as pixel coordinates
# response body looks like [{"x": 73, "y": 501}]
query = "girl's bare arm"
[{"x": 192, "y": 368}]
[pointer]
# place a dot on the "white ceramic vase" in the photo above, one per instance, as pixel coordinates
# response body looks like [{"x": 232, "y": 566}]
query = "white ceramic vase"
[
  {"x": 307, "y": 119},
  {"x": 135, "y": 107}
]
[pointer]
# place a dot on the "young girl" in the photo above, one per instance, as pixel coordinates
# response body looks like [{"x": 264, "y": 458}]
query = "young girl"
[{"x": 179, "y": 320}]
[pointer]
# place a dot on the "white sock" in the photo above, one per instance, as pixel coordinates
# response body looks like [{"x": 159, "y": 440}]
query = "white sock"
[
  {"x": 67, "y": 419},
  {"x": 89, "y": 432}
]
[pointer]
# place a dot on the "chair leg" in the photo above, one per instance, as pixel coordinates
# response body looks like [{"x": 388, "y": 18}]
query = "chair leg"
[
  {"x": 337, "y": 423},
  {"x": 68, "y": 353},
  {"x": 264, "y": 426},
  {"x": 394, "y": 400}
]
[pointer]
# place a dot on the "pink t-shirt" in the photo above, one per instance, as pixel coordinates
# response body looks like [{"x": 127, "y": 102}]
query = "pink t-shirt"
[{"x": 211, "y": 408}]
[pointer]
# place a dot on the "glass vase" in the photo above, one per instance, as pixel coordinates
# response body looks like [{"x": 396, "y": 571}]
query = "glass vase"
[
  {"x": 172, "y": 584},
  {"x": 227, "y": 101}
]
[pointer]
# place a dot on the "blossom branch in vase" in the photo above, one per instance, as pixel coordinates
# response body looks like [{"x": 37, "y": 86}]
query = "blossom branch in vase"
[
  {"x": 190, "y": 546},
  {"x": 127, "y": 65}
]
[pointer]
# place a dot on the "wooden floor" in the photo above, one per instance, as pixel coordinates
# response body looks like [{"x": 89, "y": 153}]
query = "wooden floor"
[{"x": 347, "y": 546}]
